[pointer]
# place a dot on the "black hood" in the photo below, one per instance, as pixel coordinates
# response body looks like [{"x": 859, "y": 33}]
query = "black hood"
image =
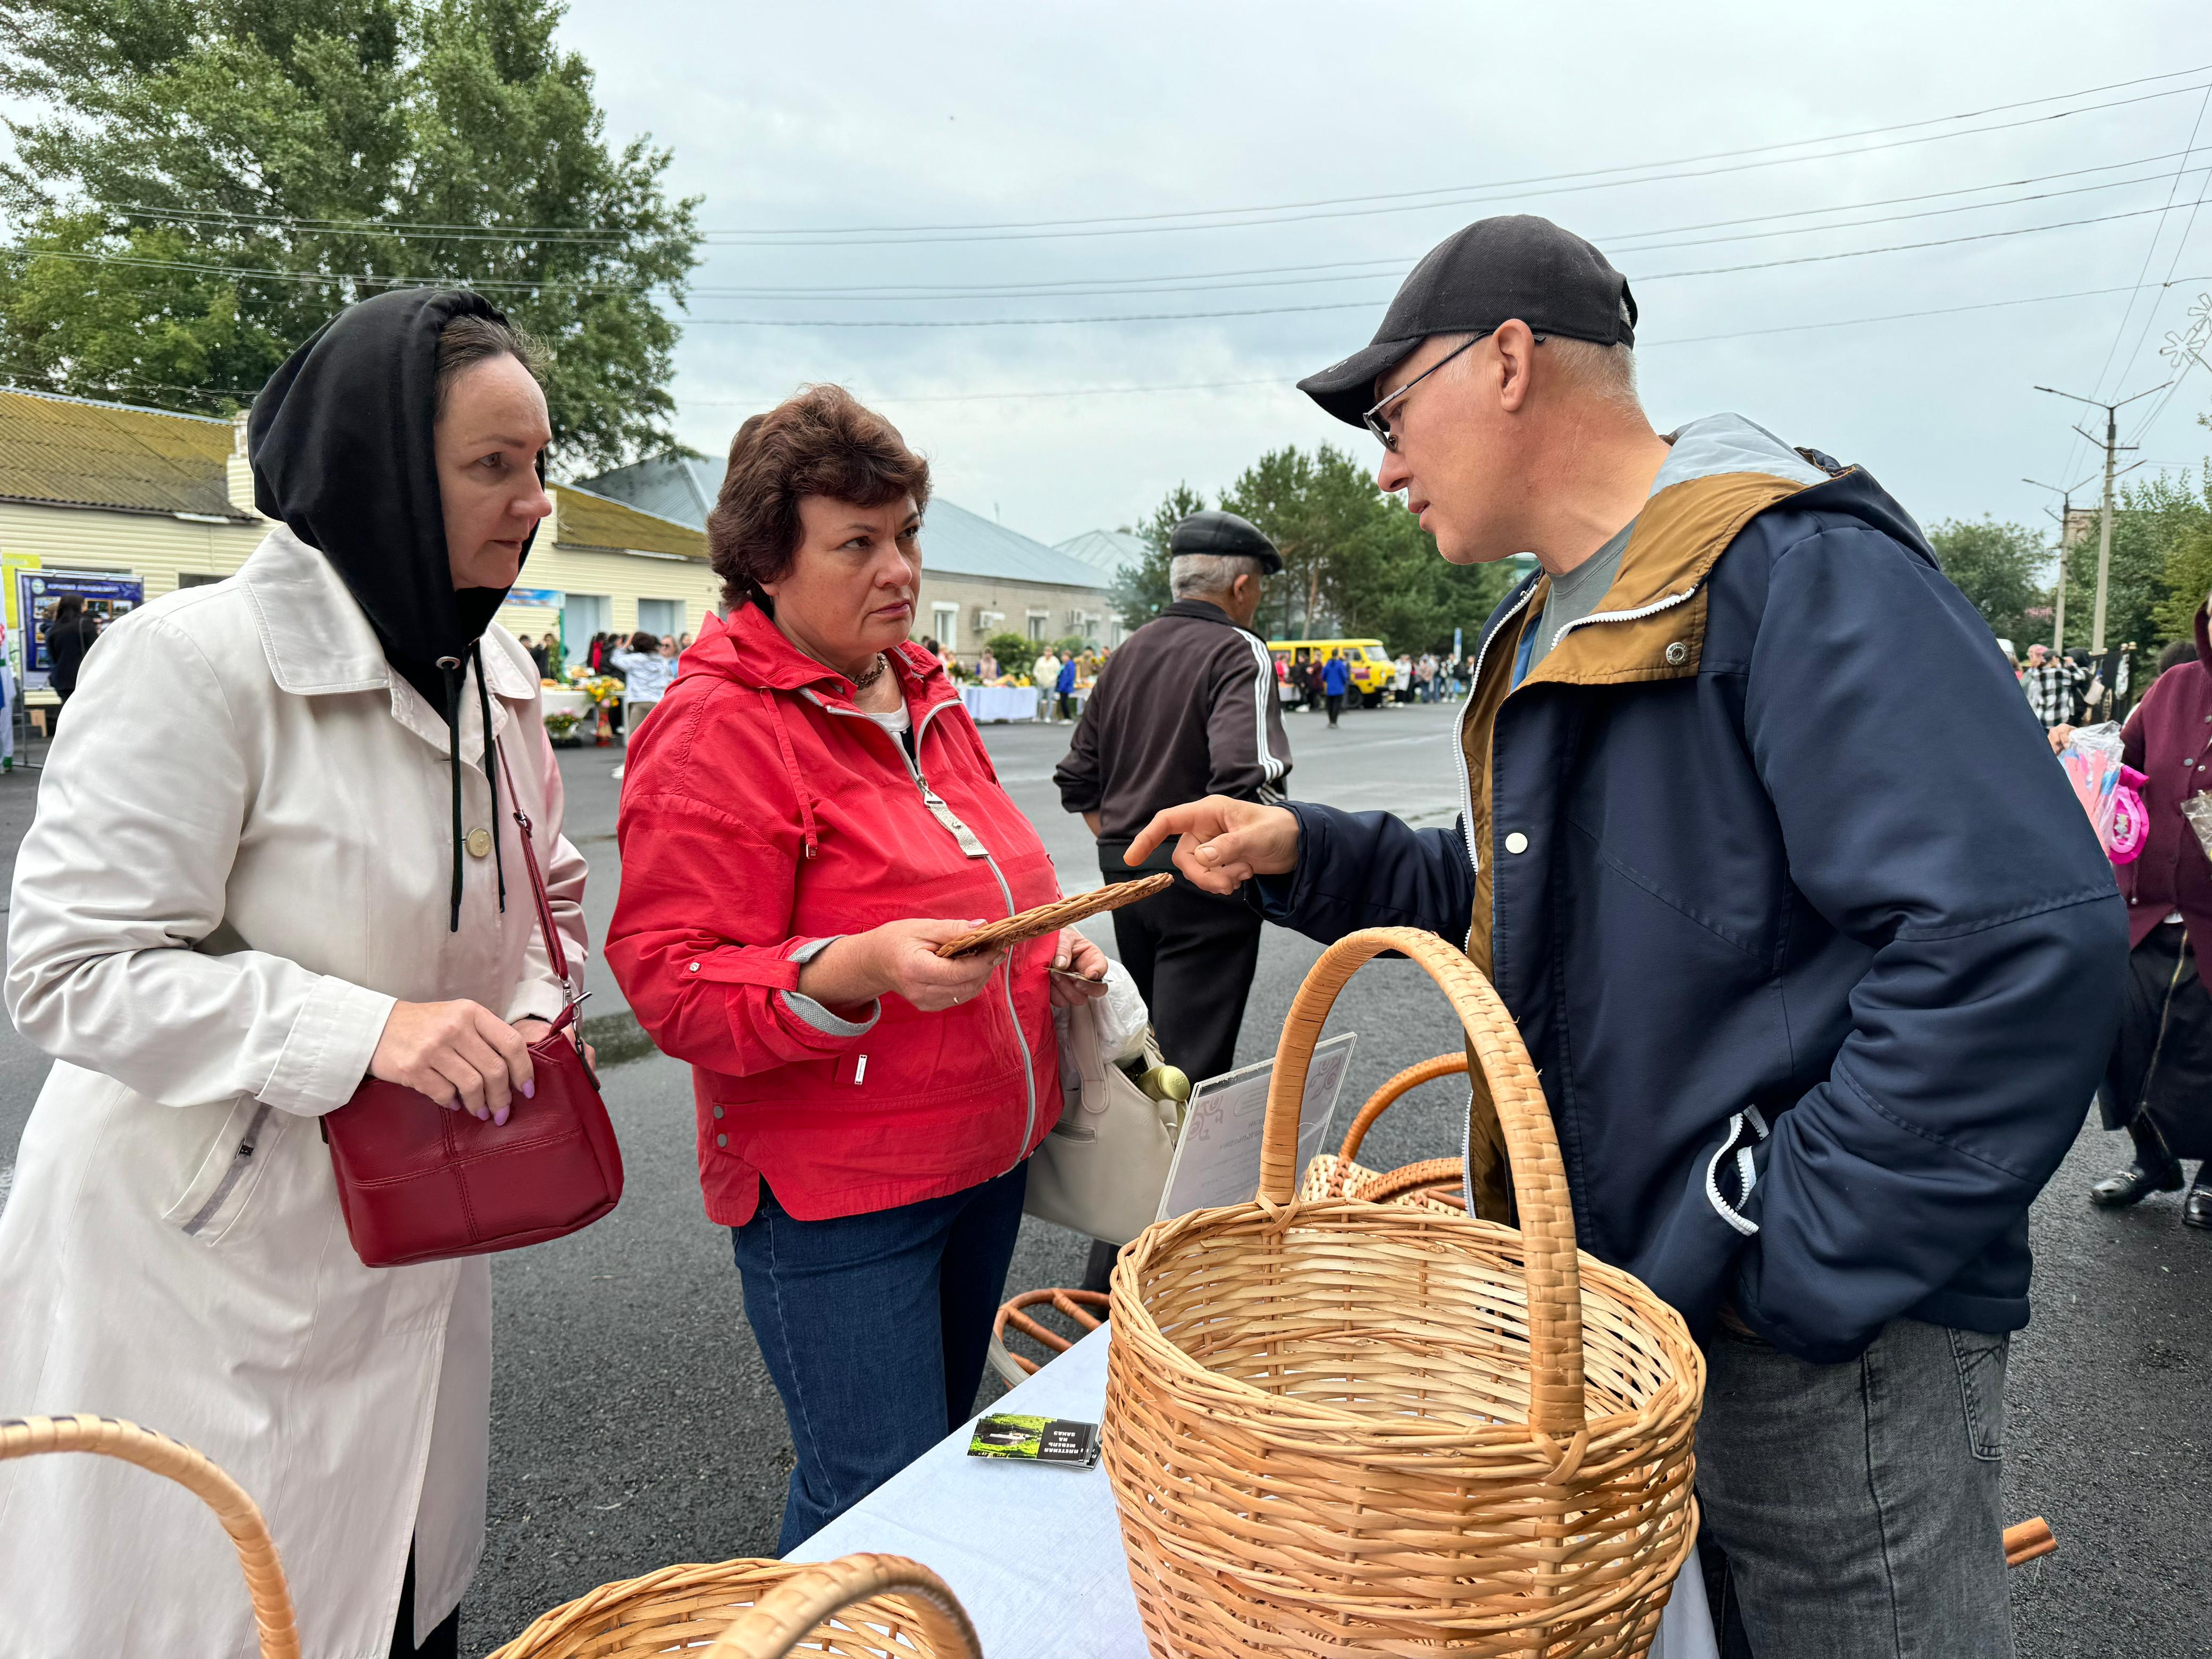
[{"x": 340, "y": 441}]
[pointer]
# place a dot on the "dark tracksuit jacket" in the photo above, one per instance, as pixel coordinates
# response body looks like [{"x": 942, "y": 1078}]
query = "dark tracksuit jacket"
[
  {"x": 1186, "y": 707},
  {"x": 1817, "y": 955}
]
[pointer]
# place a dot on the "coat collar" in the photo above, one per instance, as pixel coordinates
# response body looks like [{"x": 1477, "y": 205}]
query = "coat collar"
[
  {"x": 319, "y": 643},
  {"x": 1721, "y": 472},
  {"x": 747, "y": 646}
]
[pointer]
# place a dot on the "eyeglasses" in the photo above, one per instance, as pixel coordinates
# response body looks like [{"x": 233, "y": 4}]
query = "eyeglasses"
[{"x": 1378, "y": 423}]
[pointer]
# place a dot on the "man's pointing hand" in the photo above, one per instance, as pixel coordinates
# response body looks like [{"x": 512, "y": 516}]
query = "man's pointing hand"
[{"x": 1224, "y": 842}]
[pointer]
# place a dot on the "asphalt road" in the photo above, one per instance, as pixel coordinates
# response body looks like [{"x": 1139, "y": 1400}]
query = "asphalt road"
[{"x": 633, "y": 1424}]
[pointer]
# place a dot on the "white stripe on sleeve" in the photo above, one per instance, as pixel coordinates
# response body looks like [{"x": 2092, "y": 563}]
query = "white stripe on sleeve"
[{"x": 1270, "y": 769}]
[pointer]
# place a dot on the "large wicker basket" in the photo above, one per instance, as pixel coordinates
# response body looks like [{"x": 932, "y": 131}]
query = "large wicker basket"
[
  {"x": 111, "y": 1436},
  {"x": 858, "y": 1607},
  {"x": 1335, "y": 1426}
]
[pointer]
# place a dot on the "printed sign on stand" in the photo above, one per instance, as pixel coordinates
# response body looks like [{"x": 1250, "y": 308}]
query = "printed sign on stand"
[
  {"x": 107, "y": 595},
  {"x": 1216, "y": 1160}
]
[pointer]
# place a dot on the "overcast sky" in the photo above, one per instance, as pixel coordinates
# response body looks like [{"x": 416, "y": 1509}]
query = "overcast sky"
[{"x": 825, "y": 118}]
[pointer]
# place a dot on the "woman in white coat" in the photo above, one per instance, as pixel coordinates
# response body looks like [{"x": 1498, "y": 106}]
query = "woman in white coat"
[{"x": 268, "y": 863}]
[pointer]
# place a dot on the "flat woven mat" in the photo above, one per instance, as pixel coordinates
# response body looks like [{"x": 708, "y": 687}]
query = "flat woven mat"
[{"x": 1051, "y": 917}]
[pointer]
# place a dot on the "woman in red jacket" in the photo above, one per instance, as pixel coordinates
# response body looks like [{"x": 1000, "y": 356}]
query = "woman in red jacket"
[{"x": 810, "y": 786}]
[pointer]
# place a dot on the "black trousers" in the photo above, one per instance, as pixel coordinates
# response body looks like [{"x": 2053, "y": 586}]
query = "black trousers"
[
  {"x": 2158, "y": 1083},
  {"x": 1335, "y": 706},
  {"x": 1193, "y": 957},
  {"x": 443, "y": 1643}
]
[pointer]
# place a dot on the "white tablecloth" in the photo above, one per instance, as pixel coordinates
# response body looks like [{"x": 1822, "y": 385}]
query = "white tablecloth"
[
  {"x": 1000, "y": 702},
  {"x": 563, "y": 702},
  {"x": 1034, "y": 1554}
]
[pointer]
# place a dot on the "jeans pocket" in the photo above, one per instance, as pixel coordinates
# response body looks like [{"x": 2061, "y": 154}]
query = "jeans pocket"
[{"x": 1981, "y": 1361}]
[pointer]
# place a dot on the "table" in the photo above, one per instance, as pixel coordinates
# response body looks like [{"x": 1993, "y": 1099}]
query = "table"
[
  {"x": 1000, "y": 702},
  {"x": 563, "y": 702},
  {"x": 1034, "y": 1554}
]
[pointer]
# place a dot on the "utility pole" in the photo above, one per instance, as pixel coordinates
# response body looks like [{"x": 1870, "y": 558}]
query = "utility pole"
[
  {"x": 2111, "y": 446},
  {"x": 2065, "y": 524}
]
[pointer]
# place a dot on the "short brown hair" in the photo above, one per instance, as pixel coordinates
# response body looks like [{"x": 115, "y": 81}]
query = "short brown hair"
[
  {"x": 824, "y": 442},
  {"x": 471, "y": 338}
]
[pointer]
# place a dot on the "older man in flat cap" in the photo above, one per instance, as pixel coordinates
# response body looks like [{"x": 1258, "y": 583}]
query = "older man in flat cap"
[
  {"x": 1817, "y": 987},
  {"x": 1186, "y": 707}
]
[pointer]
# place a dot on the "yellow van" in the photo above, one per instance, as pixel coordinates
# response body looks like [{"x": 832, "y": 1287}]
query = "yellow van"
[{"x": 1373, "y": 672}]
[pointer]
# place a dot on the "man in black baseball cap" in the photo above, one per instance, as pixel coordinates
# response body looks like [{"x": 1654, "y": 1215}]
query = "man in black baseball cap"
[
  {"x": 1518, "y": 266},
  {"x": 1815, "y": 1009}
]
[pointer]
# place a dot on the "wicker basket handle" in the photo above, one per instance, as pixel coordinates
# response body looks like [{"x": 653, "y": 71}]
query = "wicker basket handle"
[
  {"x": 111, "y": 1436},
  {"x": 1388, "y": 1095},
  {"x": 784, "y": 1617},
  {"x": 1540, "y": 1178}
]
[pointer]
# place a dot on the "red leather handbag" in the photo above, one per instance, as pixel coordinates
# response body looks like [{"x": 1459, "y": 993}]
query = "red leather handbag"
[{"x": 420, "y": 1183}]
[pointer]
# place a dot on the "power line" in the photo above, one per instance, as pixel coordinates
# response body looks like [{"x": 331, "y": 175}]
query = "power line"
[
  {"x": 1400, "y": 262},
  {"x": 1197, "y": 282},
  {"x": 1035, "y": 322},
  {"x": 1357, "y": 270},
  {"x": 1273, "y": 380},
  {"x": 1360, "y": 270},
  {"x": 1477, "y": 196},
  {"x": 1284, "y": 380},
  {"x": 1406, "y": 198},
  {"x": 2173, "y": 191},
  {"x": 1352, "y": 305},
  {"x": 2181, "y": 369},
  {"x": 1285, "y": 212}
]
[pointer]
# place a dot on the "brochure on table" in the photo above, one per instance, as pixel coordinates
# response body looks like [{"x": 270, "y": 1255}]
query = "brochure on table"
[{"x": 1216, "y": 1160}]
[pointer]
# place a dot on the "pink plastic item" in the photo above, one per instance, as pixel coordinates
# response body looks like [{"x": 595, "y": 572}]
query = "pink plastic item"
[{"x": 2130, "y": 817}]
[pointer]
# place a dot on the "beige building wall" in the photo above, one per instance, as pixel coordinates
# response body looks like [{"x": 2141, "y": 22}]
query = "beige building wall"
[
  {"x": 161, "y": 548},
  {"x": 157, "y": 548},
  {"x": 1038, "y": 611}
]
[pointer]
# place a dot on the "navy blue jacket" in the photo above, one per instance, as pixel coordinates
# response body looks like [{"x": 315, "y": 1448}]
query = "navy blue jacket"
[
  {"x": 1335, "y": 677},
  {"x": 1816, "y": 952}
]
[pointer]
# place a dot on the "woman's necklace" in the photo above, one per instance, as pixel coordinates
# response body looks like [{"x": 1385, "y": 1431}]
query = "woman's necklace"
[{"x": 868, "y": 675}]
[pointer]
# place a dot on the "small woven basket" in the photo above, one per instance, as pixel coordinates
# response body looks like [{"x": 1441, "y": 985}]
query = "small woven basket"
[
  {"x": 1085, "y": 1309},
  {"x": 111, "y": 1436},
  {"x": 858, "y": 1607},
  {"x": 1434, "y": 1181},
  {"x": 1341, "y": 1427}
]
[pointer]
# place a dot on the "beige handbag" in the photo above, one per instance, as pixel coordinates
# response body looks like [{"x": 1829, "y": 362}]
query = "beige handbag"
[{"x": 1102, "y": 1169}]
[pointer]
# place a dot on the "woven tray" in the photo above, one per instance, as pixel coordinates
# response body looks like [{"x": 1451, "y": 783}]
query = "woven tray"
[{"x": 1051, "y": 917}]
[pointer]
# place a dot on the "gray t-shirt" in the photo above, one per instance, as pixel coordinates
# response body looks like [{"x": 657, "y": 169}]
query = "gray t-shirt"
[{"x": 1575, "y": 594}]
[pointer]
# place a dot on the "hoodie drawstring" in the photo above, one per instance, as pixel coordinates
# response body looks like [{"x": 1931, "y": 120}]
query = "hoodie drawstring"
[
  {"x": 490, "y": 772},
  {"x": 790, "y": 765},
  {"x": 451, "y": 668},
  {"x": 456, "y": 675}
]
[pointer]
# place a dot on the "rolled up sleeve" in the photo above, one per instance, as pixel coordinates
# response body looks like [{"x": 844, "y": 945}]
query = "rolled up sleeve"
[{"x": 702, "y": 942}]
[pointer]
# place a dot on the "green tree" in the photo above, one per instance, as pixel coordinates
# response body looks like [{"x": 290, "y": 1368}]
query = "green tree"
[
  {"x": 2001, "y": 570},
  {"x": 198, "y": 184},
  {"x": 2181, "y": 526},
  {"x": 1354, "y": 561},
  {"x": 2151, "y": 521},
  {"x": 1013, "y": 653},
  {"x": 1140, "y": 591}
]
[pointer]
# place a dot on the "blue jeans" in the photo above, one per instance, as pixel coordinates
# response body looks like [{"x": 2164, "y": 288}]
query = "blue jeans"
[
  {"x": 875, "y": 1328},
  {"x": 1858, "y": 1507}
]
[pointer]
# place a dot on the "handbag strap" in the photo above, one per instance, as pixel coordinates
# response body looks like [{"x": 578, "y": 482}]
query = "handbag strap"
[{"x": 554, "y": 952}]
